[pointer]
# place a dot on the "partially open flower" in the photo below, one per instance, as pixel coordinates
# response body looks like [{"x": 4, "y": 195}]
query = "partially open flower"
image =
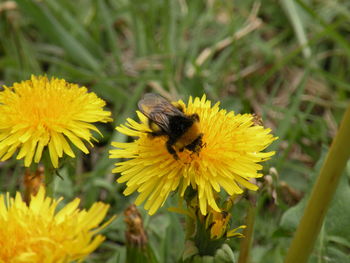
[{"x": 217, "y": 223}]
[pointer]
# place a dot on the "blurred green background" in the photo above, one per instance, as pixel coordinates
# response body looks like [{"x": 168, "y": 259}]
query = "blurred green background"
[{"x": 286, "y": 60}]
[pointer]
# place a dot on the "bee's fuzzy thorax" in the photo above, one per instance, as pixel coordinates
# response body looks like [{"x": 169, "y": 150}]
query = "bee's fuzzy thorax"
[
  {"x": 168, "y": 119},
  {"x": 192, "y": 133}
]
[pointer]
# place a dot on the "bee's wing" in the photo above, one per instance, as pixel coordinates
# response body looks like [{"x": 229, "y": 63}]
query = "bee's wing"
[{"x": 158, "y": 109}]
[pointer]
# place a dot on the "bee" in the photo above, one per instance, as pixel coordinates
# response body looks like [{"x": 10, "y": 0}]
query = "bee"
[{"x": 165, "y": 119}]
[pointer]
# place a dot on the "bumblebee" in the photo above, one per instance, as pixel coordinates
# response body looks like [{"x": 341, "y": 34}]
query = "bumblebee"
[{"x": 165, "y": 119}]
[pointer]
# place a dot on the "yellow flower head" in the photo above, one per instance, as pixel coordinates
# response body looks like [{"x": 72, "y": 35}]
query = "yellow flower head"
[
  {"x": 228, "y": 158},
  {"x": 36, "y": 233},
  {"x": 47, "y": 112}
]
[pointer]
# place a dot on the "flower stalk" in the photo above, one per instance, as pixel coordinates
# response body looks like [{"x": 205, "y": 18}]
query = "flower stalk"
[
  {"x": 321, "y": 195},
  {"x": 246, "y": 242},
  {"x": 49, "y": 173}
]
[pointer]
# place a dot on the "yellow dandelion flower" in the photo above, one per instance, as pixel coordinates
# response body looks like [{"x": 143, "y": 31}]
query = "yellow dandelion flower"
[
  {"x": 47, "y": 112},
  {"x": 37, "y": 233},
  {"x": 229, "y": 157}
]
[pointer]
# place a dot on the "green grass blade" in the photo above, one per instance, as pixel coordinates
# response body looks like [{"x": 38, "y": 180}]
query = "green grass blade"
[{"x": 54, "y": 30}]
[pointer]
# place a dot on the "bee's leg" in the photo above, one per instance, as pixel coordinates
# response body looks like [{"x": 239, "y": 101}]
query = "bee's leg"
[
  {"x": 171, "y": 150},
  {"x": 196, "y": 145}
]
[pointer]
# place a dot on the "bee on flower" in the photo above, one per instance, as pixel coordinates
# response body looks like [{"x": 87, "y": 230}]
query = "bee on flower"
[{"x": 195, "y": 145}]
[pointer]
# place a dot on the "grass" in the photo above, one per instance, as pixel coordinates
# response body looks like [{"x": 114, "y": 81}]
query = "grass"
[{"x": 285, "y": 60}]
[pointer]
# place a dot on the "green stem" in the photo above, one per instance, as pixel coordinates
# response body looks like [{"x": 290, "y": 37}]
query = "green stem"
[
  {"x": 49, "y": 172},
  {"x": 321, "y": 195},
  {"x": 246, "y": 242}
]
